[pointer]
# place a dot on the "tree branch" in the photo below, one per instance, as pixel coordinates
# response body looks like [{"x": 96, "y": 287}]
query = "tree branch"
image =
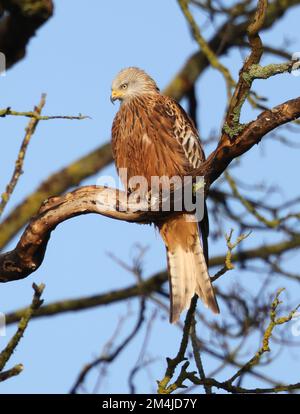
[
  {"x": 16, "y": 370},
  {"x": 20, "y": 24},
  {"x": 56, "y": 184},
  {"x": 179, "y": 87},
  {"x": 111, "y": 357},
  {"x": 144, "y": 288},
  {"x": 21, "y": 155},
  {"x": 172, "y": 363},
  {"x": 33, "y": 114},
  {"x": 230, "y": 148},
  {"x": 12, "y": 344},
  {"x": 153, "y": 284},
  {"x": 246, "y": 368},
  {"x": 29, "y": 252},
  {"x": 205, "y": 47}
]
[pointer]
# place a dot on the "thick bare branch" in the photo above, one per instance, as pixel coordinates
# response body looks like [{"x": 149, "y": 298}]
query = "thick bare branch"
[
  {"x": 29, "y": 252},
  {"x": 16, "y": 370},
  {"x": 205, "y": 47},
  {"x": 252, "y": 133},
  {"x": 179, "y": 87},
  {"x": 243, "y": 86},
  {"x": 30, "y": 129},
  {"x": 153, "y": 284},
  {"x": 33, "y": 114},
  {"x": 20, "y": 24},
  {"x": 56, "y": 184}
]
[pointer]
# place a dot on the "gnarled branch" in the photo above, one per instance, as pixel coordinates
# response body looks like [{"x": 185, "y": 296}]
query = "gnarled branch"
[
  {"x": 228, "y": 35},
  {"x": 252, "y": 133},
  {"x": 20, "y": 24},
  {"x": 29, "y": 252}
]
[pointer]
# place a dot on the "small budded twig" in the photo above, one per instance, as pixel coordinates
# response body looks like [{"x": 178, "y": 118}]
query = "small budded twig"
[
  {"x": 30, "y": 129},
  {"x": 197, "y": 355},
  {"x": 228, "y": 384},
  {"x": 12, "y": 344},
  {"x": 274, "y": 223},
  {"x": 172, "y": 363},
  {"x": 205, "y": 48},
  {"x": 232, "y": 126},
  {"x": 274, "y": 321},
  {"x": 16, "y": 370},
  {"x": 30, "y": 251},
  {"x": 35, "y": 115},
  {"x": 21, "y": 155},
  {"x": 228, "y": 265},
  {"x": 70, "y": 176},
  {"x": 114, "y": 354}
]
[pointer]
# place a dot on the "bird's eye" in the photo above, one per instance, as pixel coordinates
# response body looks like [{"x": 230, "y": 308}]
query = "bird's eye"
[{"x": 124, "y": 85}]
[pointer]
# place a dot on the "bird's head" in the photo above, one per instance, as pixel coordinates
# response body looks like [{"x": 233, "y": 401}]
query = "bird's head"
[{"x": 130, "y": 83}]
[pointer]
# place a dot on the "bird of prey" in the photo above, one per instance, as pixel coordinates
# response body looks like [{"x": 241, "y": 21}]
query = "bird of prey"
[{"x": 153, "y": 136}]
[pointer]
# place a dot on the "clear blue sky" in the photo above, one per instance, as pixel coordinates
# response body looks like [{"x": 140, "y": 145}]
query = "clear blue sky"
[{"x": 73, "y": 58}]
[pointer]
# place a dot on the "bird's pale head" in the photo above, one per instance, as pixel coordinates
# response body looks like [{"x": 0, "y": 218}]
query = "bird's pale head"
[{"x": 130, "y": 83}]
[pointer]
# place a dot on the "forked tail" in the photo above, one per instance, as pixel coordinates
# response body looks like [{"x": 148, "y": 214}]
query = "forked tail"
[{"x": 188, "y": 272}]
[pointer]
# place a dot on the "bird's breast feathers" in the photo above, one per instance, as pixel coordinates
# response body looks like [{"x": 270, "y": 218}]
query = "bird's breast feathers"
[{"x": 153, "y": 136}]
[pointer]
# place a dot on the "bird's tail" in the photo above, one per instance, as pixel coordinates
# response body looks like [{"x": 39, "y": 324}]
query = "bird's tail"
[{"x": 187, "y": 267}]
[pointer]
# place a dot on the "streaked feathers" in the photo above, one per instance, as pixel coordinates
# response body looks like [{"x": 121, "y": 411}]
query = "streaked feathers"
[{"x": 153, "y": 136}]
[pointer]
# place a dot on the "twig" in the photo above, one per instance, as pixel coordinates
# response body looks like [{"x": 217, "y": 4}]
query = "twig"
[
  {"x": 197, "y": 355},
  {"x": 56, "y": 184},
  {"x": 273, "y": 224},
  {"x": 163, "y": 385},
  {"x": 144, "y": 288},
  {"x": 179, "y": 86},
  {"x": 12, "y": 344},
  {"x": 140, "y": 362},
  {"x": 30, "y": 251},
  {"x": 16, "y": 370},
  {"x": 35, "y": 115},
  {"x": 113, "y": 355},
  {"x": 274, "y": 321},
  {"x": 228, "y": 258},
  {"x": 102, "y": 369},
  {"x": 153, "y": 284},
  {"x": 228, "y": 384},
  {"x": 205, "y": 48},
  {"x": 138, "y": 367},
  {"x": 232, "y": 125},
  {"x": 21, "y": 156}
]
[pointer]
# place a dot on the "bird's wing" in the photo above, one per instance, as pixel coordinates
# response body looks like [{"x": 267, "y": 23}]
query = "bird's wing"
[
  {"x": 179, "y": 125},
  {"x": 185, "y": 133}
]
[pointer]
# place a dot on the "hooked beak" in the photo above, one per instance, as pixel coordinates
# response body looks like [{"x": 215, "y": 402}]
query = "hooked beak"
[{"x": 115, "y": 95}]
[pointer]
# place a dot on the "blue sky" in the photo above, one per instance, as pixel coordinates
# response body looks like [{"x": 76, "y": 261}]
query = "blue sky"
[{"x": 73, "y": 58}]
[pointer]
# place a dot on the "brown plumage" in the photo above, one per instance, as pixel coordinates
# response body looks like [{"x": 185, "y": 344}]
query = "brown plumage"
[{"x": 153, "y": 136}]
